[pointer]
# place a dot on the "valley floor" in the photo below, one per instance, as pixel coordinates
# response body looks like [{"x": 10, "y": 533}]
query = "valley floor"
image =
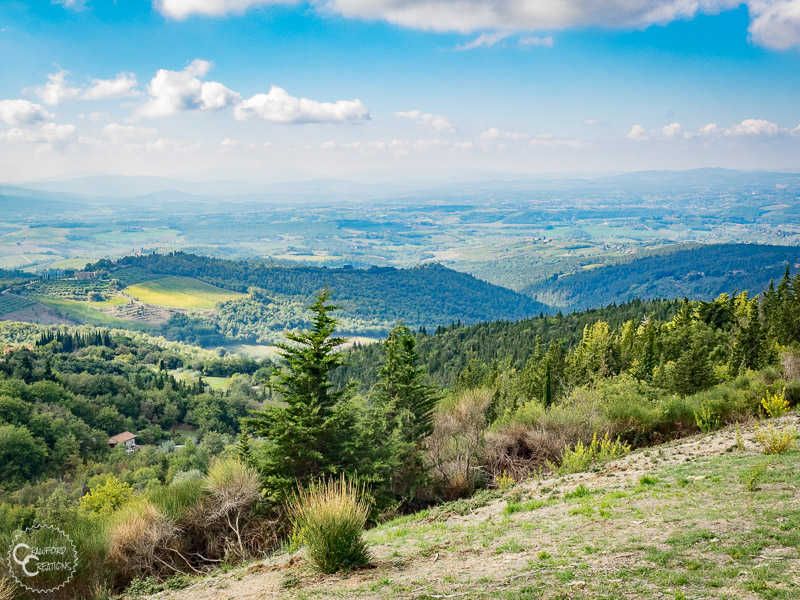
[{"x": 671, "y": 522}]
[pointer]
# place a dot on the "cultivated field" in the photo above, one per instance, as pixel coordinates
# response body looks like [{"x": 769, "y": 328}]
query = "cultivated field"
[{"x": 180, "y": 292}]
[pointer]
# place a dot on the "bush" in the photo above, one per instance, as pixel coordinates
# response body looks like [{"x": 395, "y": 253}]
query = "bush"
[
  {"x": 775, "y": 405},
  {"x": 581, "y": 458},
  {"x": 456, "y": 444},
  {"x": 141, "y": 538},
  {"x": 775, "y": 440},
  {"x": 107, "y": 497},
  {"x": 233, "y": 489},
  {"x": 328, "y": 517}
]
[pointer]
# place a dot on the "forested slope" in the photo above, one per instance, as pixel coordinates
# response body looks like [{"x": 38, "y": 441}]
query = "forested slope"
[{"x": 701, "y": 273}]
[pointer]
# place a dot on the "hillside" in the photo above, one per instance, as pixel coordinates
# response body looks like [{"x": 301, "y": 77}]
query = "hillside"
[
  {"x": 702, "y": 273},
  {"x": 673, "y": 522},
  {"x": 372, "y": 300},
  {"x": 497, "y": 344}
]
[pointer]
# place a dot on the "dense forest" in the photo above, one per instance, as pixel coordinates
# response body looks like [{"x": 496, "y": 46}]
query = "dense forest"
[{"x": 701, "y": 273}]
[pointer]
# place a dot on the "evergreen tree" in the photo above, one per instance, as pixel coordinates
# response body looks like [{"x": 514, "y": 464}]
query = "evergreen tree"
[
  {"x": 310, "y": 429},
  {"x": 243, "y": 450},
  {"x": 400, "y": 420}
]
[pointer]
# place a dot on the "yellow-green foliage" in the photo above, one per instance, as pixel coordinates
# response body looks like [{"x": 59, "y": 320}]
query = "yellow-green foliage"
[
  {"x": 107, "y": 497},
  {"x": 180, "y": 292},
  {"x": 706, "y": 419},
  {"x": 504, "y": 481},
  {"x": 775, "y": 405},
  {"x": 328, "y": 517},
  {"x": 776, "y": 440},
  {"x": 581, "y": 457}
]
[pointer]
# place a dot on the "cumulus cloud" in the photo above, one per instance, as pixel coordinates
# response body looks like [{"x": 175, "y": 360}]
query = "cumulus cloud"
[
  {"x": 484, "y": 40},
  {"x": 22, "y": 112},
  {"x": 673, "y": 130},
  {"x": 638, "y": 134},
  {"x": 172, "y": 92},
  {"x": 279, "y": 106},
  {"x": 437, "y": 122},
  {"x": 773, "y": 23},
  {"x": 122, "y": 86},
  {"x": 754, "y": 127},
  {"x": 56, "y": 90}
]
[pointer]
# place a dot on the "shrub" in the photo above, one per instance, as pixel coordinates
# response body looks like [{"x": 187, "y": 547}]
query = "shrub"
[
  {"x": 504, "y": 481},
  {"x": 140, "y": 537},
  {"x": 456, "y": 444},
  {"x": 107, "y": 497},
  {"x": 775, "y": 440},
  {"x": 775, "y": 405},
  {"x": 233, "y": 489},
  {"x": 328, "y": 517},
  {"x": 580, "y": 458},
  {"x": 707, "y": 420}
]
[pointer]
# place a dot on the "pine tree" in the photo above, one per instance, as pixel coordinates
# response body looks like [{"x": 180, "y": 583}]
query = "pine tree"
[
  {"x": 402, "y": 417},
  {"x": 243, "y": 450},
  {"x": 548, "y": 386},
  {"x": 310, "y": 429}
]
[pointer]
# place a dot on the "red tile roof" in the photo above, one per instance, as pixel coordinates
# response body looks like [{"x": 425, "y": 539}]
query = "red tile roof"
[{"x": 121, "y": 438}]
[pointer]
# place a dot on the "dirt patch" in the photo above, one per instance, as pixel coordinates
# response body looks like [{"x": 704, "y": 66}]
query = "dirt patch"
[{"x": 37, "y": 313}]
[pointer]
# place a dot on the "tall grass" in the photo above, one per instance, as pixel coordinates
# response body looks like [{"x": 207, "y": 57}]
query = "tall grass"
[{"x": 328, "y": 517}]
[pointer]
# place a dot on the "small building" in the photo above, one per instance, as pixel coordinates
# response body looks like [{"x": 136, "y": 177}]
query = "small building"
[{"x": 126, "y": 438}]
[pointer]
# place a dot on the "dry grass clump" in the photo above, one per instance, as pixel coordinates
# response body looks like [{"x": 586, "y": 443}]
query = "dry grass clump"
[
  {"x": 233, "y": 489},
  {"x": 7, "y": 589},
  {"x": 328, "y": 518},
  {"x": 141, "y": 542}
]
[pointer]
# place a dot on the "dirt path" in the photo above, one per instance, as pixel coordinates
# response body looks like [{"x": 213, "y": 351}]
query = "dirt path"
[{"x": 571, "y": 544}]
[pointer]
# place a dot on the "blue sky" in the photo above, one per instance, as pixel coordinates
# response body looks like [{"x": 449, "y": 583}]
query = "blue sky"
[{"x": 171, "y": 87}]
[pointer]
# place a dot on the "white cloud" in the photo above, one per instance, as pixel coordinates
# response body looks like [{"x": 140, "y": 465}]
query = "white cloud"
[
  {"x": 49, "y": 136},
  {"x": 496, "y": 134},
  {"x": 22, "y": 112},
  {"x": 673, "y": 130},
  {"x": 280, "y": 107},
  {"x": 172, "y": 92},
  {"x": 122, "y": 86},
  {"x": 638, "y": 134},
  {"x": 438, "y": 122},
  {"x": 56, "y": 90},
  {"x": 773, "y": 23},
  {"x": 534, "y": 41},
  {"x": 118, "y": 132},
  {"x": 180, "y": 9},
  {"x": 484, "y": 40},
  {"x": 71, "y": 4},
  {"x": 754, "y": 127},
  {"x": 708, "y": 130}
]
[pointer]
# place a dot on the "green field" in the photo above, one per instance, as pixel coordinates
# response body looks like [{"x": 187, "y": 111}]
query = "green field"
[
  {"x": 11, "y": 302},
  {"x": 83, "y": 312},
  {"x": 180, "y": 292}
]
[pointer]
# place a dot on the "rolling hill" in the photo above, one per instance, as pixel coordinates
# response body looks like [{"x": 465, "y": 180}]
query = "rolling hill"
[{"x": 702, "y": 272}]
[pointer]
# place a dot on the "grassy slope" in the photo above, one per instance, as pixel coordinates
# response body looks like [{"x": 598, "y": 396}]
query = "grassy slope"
[
  {"x": 672, "y": 522},
  {"x": 84, "y": 313},
  {"x": 180, "y": 292}
]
